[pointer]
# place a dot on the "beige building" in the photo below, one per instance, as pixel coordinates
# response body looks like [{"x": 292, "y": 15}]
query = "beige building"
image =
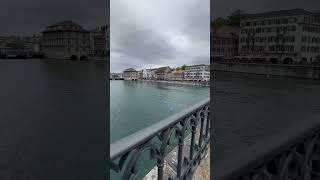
[
  {"x": 177, "y": 75},
  {"x": 163, "y": 73},
  {"x": 224, "y": 43},
  {"x": 66, "y": 40},
  {"x": 130, "y": 74}
]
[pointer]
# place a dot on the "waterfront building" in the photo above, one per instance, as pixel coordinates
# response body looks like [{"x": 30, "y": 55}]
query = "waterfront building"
[
  {"x": 199, "y": 72},
  {"x": 140, "y": 74},
  {"x": 16, "y": 46},
  {"x": 162, "y": 73},
  {"x": 116, "y": 76},
  {"x": 66, "y": 40},
  {"x": 130, "y": 74},
  {"x": 98, "y": 42},
  {"x": 224, "y": 43},
  {"x": 177, "y": 75},
  {"x": 147, "y": 74},
  {"x": 285, "y": 36}
]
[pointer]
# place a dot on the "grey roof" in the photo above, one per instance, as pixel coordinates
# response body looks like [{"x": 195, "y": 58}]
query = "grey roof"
[
  {"x": 130, "y": 70},
  {"x": 288, "y": 12},
  {"x": 65, "y": 26}
]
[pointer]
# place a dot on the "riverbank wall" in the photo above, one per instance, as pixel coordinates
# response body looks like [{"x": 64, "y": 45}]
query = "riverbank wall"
[
  {"x": 196, "y": 83},
  {"x": 270, "y": 70}
]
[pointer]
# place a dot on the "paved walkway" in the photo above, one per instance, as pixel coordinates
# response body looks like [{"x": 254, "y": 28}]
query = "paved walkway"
[{"x": 202, "y": 172}]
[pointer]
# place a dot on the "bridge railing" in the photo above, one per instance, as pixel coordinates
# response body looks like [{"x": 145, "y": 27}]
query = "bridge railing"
[
  {"x": 126, "y": 153},
  {"x": 292, "y": 154}
]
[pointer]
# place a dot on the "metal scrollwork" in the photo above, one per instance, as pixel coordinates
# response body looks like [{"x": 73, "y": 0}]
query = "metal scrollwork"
[
  {"x": 297, "y": 158},
  {"x": 125, "y": 155}
]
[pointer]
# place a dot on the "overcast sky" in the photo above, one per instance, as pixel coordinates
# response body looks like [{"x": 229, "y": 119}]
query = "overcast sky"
[
  {"x": 222, "y": 8},
  {"x": 25, "y": 17},
  {"x": 153, "y": 33}
]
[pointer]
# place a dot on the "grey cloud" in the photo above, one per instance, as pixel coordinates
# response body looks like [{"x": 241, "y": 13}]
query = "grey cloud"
[
  {"x": 155, "y": 33},
  {"x": 31, "y": 16},
  {"x": 150, "y": 46},
  {"x": 223, "y": 8}
]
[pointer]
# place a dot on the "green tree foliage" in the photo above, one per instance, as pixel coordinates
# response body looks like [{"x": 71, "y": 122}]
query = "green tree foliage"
[
  {"x": 183, "y": 67},
  {"x": 217, "y": 23},
  {"x": 16, "y": 44},
  {"x": 235, "y": 17},
  {"x": 232, "y": 20}
]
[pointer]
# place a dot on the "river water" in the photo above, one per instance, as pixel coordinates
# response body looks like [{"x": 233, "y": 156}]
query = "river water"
[
  {"x": 249, "y": 109},
  {"x": 135, "y": 105},
  {"x": 52, "y": 120}
]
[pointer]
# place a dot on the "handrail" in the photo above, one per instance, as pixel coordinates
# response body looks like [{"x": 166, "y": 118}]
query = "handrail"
[
  {"x": 290, "y": 153},
  {"x": 125, "y": 152}
]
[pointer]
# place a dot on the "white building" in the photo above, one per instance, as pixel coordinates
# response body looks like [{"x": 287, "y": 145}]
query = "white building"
[
  {"x": 199, "y": 72},
  {"x": 286, "y": 36},
  {"x": 147, "y": 74}
]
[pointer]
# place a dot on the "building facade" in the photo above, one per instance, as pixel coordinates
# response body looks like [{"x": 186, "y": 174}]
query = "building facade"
[
  {"x": 199, "y": 72},
  {"x": 224, "y": 43},
  {"x": 116, "y": 76},
  {"x": 66, "y": 40},
  {"x": 286, "y": 36},
  {"x": 98, "y": 42},
  {"x": 130, "y": 74},
  {"x": 177, "y": 75},
  {"x": 163, "y": 73}
]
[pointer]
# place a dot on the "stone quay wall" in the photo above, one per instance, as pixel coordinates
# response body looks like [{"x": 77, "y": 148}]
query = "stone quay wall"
[{"x": 295, "y": 71}]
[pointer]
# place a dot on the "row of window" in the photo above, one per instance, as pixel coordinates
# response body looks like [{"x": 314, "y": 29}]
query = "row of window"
[
  {"x": 66, "y": 34},
  {"x": 283, "y": 48},
  {"x": 309, "y": 39},
  {"x": 313, "y": 49},
  {"x": 270, "y": 39},
  {"x": 311, "y": 29},
  {"x": 62, "y": 42},
  {"x": 76, "y": 49},
  {"x": 312, "y": 20},
  {"x": 225, "y": 41},
  {"x": 225, "y": 50},
  {"x": 252, "y": 48},
  {"x": 270, "y": 22},
  {"x": 268, "y": 30}
]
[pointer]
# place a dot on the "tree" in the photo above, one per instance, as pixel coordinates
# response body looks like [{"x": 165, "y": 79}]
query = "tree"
[
  {"x": 16, "y": 44},
  {"x": 235, "y": 17},
  {"x": 183, "y": 67},
  {"x": 218, "y": 23}
]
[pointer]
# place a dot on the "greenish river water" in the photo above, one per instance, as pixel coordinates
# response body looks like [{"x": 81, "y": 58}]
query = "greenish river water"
[{"x": 136, "y": 105}]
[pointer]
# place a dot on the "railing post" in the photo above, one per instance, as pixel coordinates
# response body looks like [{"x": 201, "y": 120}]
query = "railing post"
[
  {"x": 207, "y": 120},
  {"x": 193, "y": 135},
  {"x": 180, "y": 153},
  {"x": 160, "y": 165},
  {"x": 201, "y": 132}
]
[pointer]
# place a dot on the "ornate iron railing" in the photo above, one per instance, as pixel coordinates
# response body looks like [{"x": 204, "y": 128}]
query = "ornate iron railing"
[
  {"x": 195, "y": 120},
  {"x": 294, "y": 154}
]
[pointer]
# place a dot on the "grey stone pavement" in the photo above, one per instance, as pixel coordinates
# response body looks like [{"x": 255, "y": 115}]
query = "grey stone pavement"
[{"x": 202, "y": 172}]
